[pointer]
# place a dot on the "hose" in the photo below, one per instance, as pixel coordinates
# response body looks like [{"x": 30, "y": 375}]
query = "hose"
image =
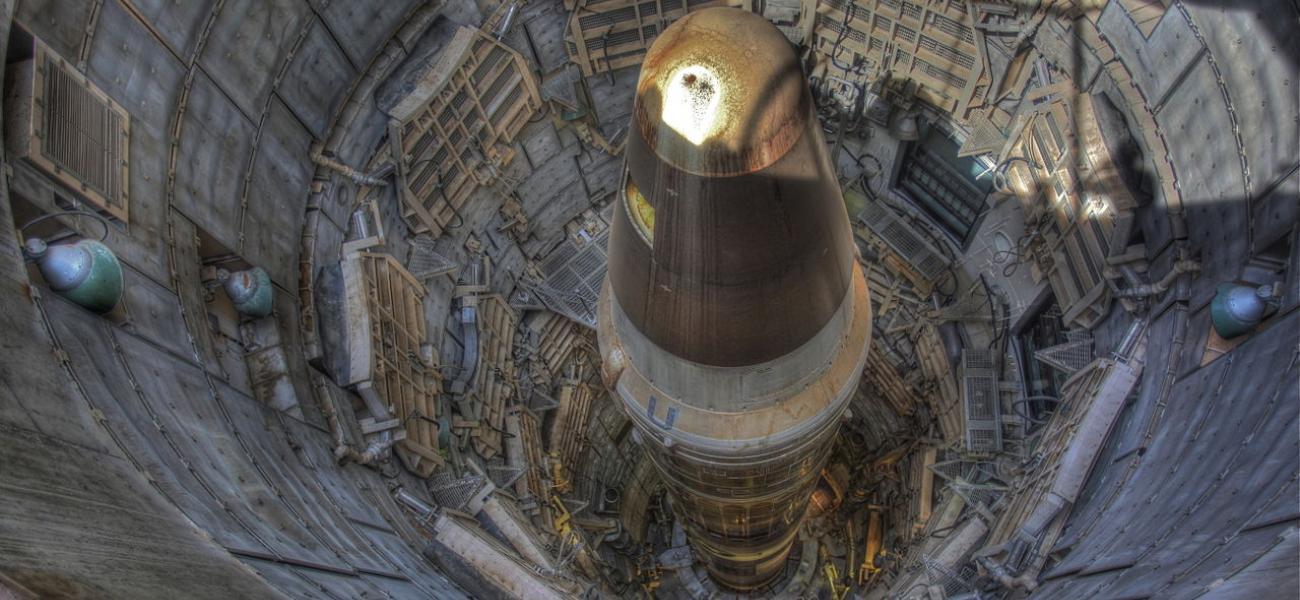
[
  {"x": 1016, "y": 404},
  {"x": 81, "y": 213},
  {"x": 999, "y": 171}
]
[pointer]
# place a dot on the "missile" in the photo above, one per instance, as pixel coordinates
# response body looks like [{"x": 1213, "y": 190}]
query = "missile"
[{"x": 735, "y": 319}]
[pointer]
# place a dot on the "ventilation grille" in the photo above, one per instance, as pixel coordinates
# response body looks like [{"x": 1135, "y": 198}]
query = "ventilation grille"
[
  {"x": 78, "y": 135},
  {"x": 946, "y": 52},
  {"x": 425, "y": 262},
  {"x": 1070, "y": 357},
  {"x": 982, "y": 403},
  {"x": 452, "y": 492},
  {"x": 953, "y": 28},
  {"x": 903, "y": 240}
]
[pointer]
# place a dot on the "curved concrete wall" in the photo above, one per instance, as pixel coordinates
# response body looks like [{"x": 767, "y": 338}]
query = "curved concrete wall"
[
  {"x": 1195, "y": 491},
  {"x": 135, "y": 461},
  {"x": 138, "y": 461}
]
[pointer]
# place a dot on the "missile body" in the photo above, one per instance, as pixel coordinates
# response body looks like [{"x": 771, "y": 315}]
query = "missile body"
[{"x": 735, "y": 320}]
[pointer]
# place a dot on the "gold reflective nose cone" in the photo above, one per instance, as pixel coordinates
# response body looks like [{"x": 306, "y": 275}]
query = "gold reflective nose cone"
[{"x": 734, "y": 308}]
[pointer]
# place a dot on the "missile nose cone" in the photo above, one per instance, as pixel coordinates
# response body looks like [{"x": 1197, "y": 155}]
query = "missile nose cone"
[
  {"x": 721, "y": 93},
  {"x": 731, "y": 246},
  {"x": 734, "y": 322}
]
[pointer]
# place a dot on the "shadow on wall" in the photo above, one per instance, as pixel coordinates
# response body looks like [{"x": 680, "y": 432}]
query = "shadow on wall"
[
  {"x": 1230, "y": 235},
  {"x": 1277, "y": 20}
]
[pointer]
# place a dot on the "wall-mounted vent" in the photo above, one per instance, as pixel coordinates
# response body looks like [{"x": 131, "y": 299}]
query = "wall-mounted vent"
[
  {"x": 60, "y": 122},
  {"x": 923, "y": 257}
]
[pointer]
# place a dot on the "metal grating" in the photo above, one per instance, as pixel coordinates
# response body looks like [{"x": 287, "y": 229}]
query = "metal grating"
[
  {"x": 985, "y": 138},
  {"x": 387, "y": 336},
  {"x": 504, "y": 476},
  {"x": 425, "y": 262},
  {"x": 940, "y": 74},
  {"x": 973, "y": 307},
  {"x": 558, "y": 257},
  {"x": 1070, "y": 357},
  {"x": 984, "y": 495},
  {"x": 573, "y": 274},
  {"x": 953, "y": 583},
  {"x": 980, "y": 397},
  {"x": 454, "y": 492},
  {"x": 953, "y": 28},
  {"x": 946, "y": 52},
  {"x": 900, "y": 237},
  {"x": 911, "y": 11}
]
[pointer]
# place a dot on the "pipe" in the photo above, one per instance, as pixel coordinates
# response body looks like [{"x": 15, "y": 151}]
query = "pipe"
[
  {"x": 413, "y": 503},
  {"x": 1130, "y": 275},
  {"x": 382, "y": 443},
  {"x": 378, "y": 449},
  {"x": 1154, "y": 289},
  {"x": 103, "y": 222},
  {"x": 345, "y": 452},
  {"x": 999, "y": 172},
  {"x": 1124, "y": 350},
  {"x": 468, "y": 357},
  {"x": 360, "y": 226},
  {"x": 373, "y": 178},
  {"x": 425, "y": 514},
  {"x": 1005, "y": 577},
  {"x": 341, "y": 447},
  {"x": 307, "y": 275}
]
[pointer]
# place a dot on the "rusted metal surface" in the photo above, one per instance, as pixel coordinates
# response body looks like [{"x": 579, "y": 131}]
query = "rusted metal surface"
[
  {"x": 721, "y": 93},
  {"x": 750, "y": 252},
  {"x": 1193, "y": 496},
  {"x": 388, "y": 335},
  {"x": 735, "y": 324}
]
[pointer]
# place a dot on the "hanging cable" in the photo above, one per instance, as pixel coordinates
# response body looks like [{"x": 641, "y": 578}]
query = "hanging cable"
[
  {"x": 844, "y": 30},
  {"x": 999, "y": 171}
]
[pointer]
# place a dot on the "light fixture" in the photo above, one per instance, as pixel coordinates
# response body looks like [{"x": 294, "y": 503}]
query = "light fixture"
[
  {"x": 1096, "y": 206},
  {"x": 249, "y": 290},
  {"x": 1236, "y": 309},
  {"x": 85, "y": 271}
]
